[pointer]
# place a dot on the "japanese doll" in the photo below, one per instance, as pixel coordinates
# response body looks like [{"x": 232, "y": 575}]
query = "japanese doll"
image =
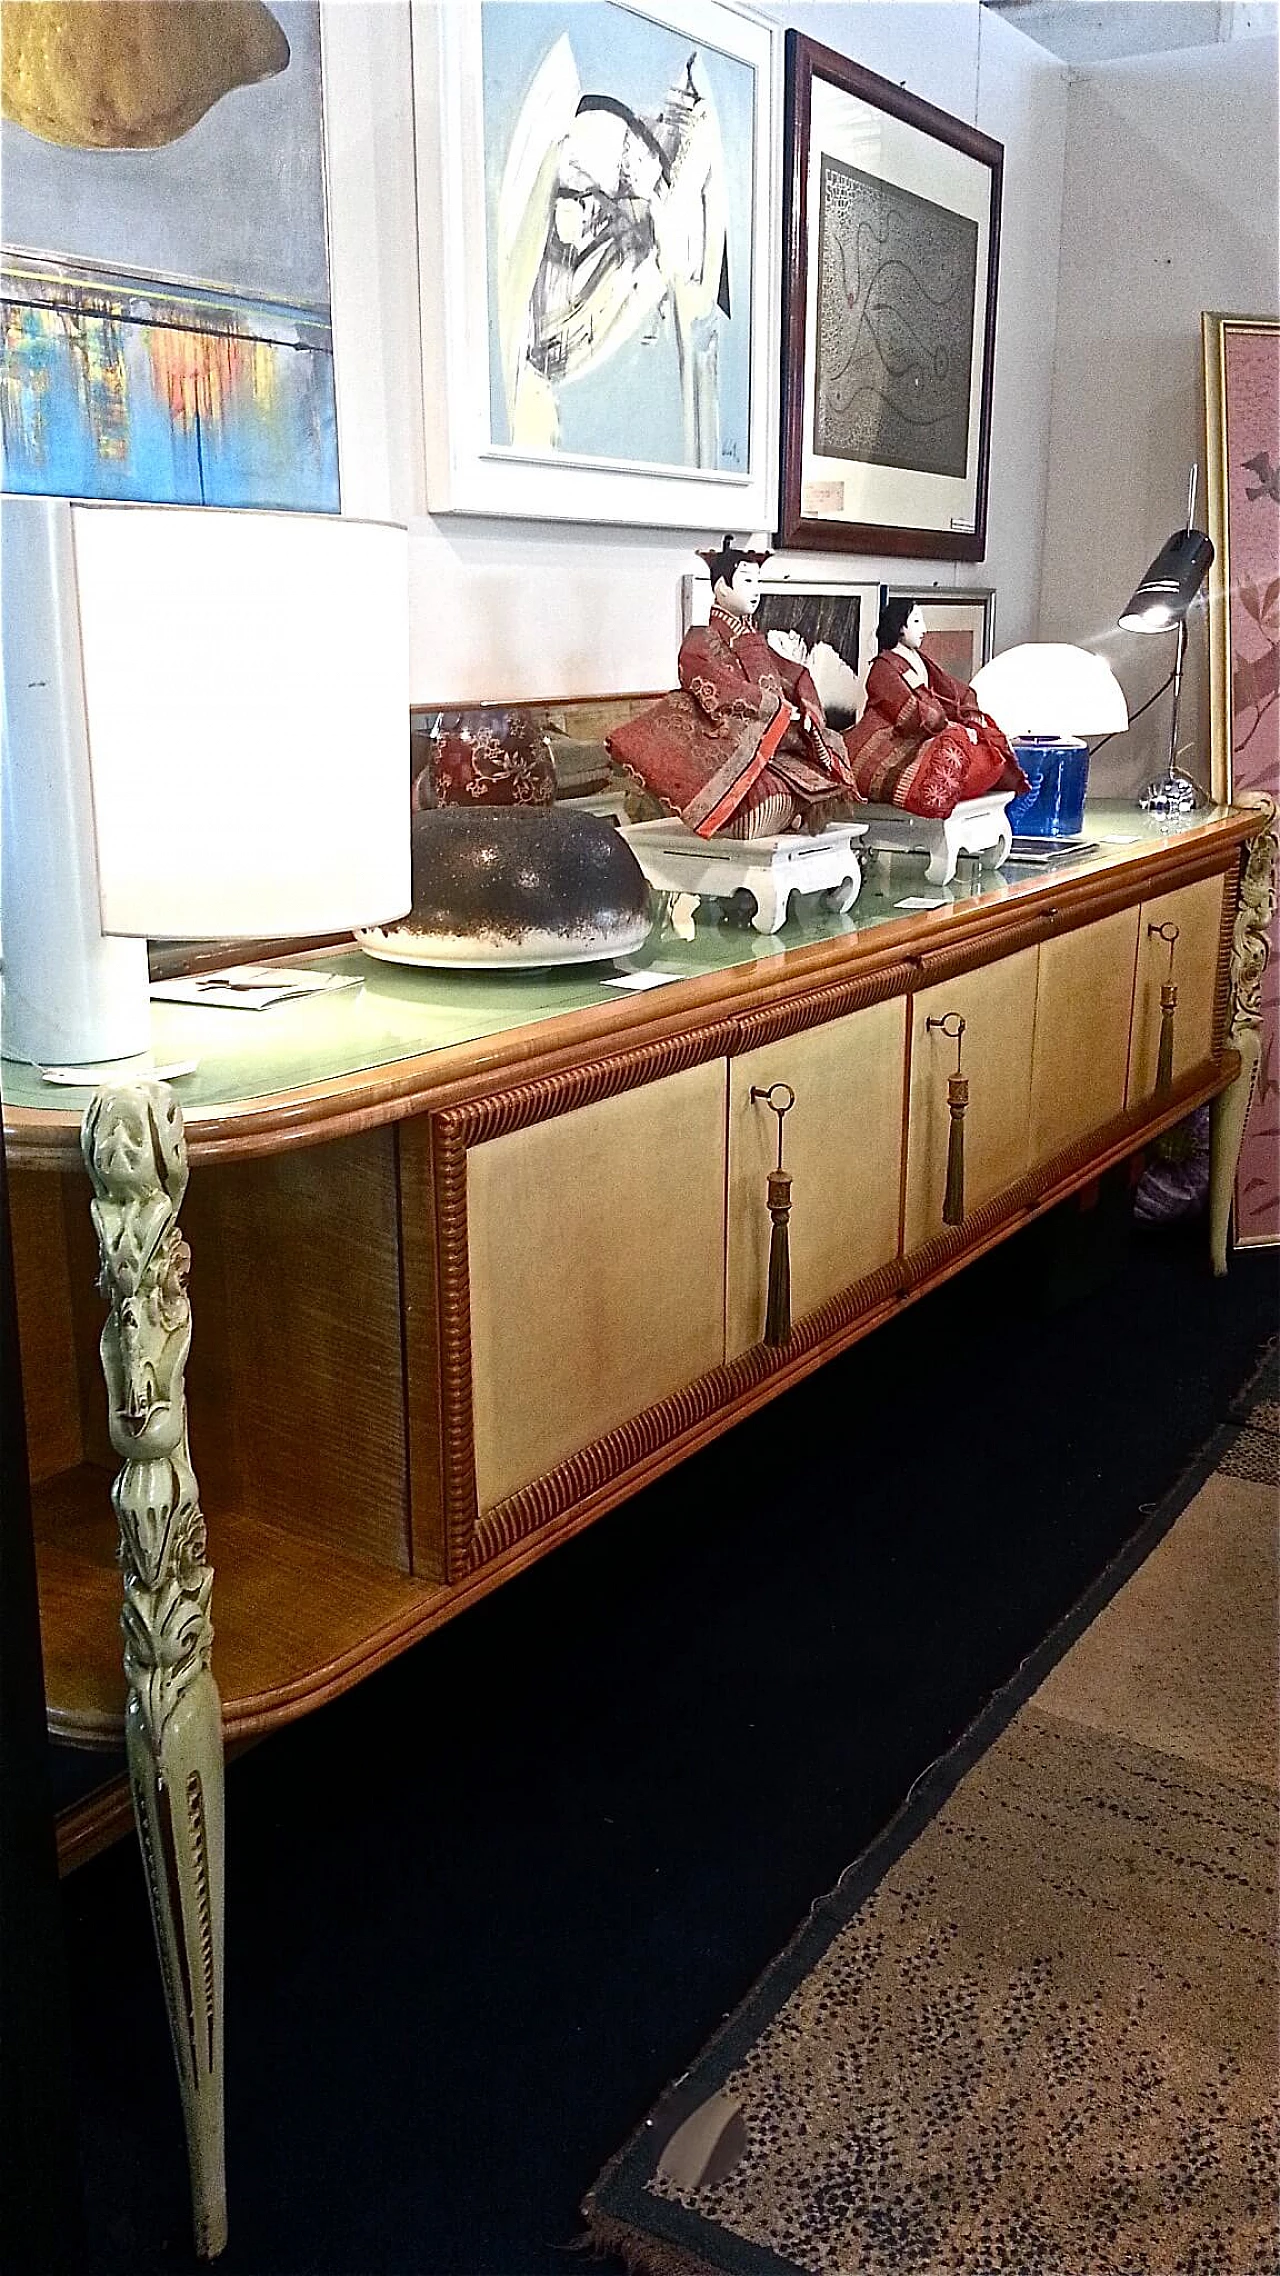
[
  {"x": 742, "y": 748},
  {"x": 923, "y": 743}
]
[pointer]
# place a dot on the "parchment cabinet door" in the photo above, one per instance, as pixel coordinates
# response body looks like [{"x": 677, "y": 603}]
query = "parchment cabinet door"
[
  {"x": 998, "y": 1005},
  {"x": 596, "y": 1252},
  {"x": 1196, "y": 910},
  {"x": 843, "y": 1147},
  {"x": 1084, "y": 998}
]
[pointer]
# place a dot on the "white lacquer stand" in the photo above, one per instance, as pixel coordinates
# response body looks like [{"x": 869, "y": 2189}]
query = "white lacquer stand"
[
  {"x": 677, "y": 861},
  {"x": 977, "y": 826}
]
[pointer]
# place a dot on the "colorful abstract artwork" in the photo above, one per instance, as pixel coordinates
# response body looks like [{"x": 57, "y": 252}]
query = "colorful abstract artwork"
[
  {"x": 1242, "y": 375},
  {"x": 619, "y": 184},
  {"x": 164, "y": 273}
]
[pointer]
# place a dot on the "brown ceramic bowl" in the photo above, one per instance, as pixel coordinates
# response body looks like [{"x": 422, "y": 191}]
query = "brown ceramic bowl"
[{"x": 524, "y": 885}]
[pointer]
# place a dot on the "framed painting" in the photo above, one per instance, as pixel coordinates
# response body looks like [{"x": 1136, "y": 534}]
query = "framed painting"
[
  {"x": 960, "y": 626},
  {"x": 891, "y": 230},
  {"x": 164, "y": 273},
  {"x": 821, "y": 622},
  {"x": 1242, "y": 417},
  {"x": 598, "y": 203}
]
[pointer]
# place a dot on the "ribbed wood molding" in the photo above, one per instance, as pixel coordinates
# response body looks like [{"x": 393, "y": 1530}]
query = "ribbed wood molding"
[{"x": 1222, "y": 987}]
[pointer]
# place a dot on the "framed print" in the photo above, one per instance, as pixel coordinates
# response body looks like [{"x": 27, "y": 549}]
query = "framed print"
[
  {"x": 164, "y": 278},
  {"x": 598, "y": 199},
  {"x": 1242, "y": 418},
  {"x": 960, "y": 626},
  {"x": 821, "y": 622},
  {"x": 891, "y": 248}
]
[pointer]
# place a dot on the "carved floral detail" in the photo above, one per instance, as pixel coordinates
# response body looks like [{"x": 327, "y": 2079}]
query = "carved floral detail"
[
  {"x": 135, "y": 1152},
  {"x": 1250, "y": 947}
]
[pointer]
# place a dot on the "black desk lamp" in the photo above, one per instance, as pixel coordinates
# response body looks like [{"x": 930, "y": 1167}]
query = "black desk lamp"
[{"x": 1161, "y": 603}]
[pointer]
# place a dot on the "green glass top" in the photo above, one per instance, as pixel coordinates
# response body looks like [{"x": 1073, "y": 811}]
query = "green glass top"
[{"x": 399, "y": 1012}]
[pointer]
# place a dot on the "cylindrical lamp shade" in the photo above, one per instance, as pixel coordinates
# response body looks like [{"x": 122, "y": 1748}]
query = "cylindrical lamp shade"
[
  {"x": 1171, "y": 583},
  {"x": 68, "y": 993},
  {"x": 246, "y": 695}
]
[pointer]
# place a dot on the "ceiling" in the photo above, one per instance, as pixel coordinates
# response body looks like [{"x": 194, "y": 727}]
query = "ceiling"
[{"x": 1100, "y": 31}]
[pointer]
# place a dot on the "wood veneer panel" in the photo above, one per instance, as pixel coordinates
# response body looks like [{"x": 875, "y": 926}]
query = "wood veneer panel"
[
  {"x": 285, "y": 1609},
  {"x": 1197, "y": 912},
  {"x": 295, "y": 1382},
  {"x": 998, "y": 1003},
  {"x": 843, "y": 1147},
  {"x": 46, "y": 1329},
  {"x": 1084, "y": 1000},
  {"x": 596, "y": 1262}
]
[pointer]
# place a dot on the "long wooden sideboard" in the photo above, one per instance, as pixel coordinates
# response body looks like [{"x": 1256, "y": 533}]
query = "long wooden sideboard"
[{"x": 475, "y": 1257}]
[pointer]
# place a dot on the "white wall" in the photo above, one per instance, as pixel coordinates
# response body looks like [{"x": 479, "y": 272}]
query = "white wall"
[
  {"x": 506, "y": 608},
  {"x": 1169, "y": 209}
]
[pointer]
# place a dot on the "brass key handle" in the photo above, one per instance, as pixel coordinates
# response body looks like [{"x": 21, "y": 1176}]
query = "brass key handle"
[
  {"x": 1168, "y": 1006},
  {"x": 777, "y": 1318},
  {"x": 953, "y": 1026}
]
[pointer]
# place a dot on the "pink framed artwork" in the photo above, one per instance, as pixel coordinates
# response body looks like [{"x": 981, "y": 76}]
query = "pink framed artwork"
[{"x": 1242, "y": 411}]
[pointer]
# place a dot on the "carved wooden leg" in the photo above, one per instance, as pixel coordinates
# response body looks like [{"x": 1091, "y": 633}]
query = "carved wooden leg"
[
  {"x": 136, "y": 1157},
  {"x": 946, "y": 853},
  {"x": 997, "y": 855},
  {"x": 682, "y": 908},
  {"x": 1226, "y": 1136},
  {"x": 771, "y": 899},
  {"x": 1249, "y": 952}
]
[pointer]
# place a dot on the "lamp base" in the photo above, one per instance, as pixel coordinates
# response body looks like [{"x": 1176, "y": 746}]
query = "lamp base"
[
  {"x": 1171, "y": 795},
  {"x": 1057, "y": 771}
]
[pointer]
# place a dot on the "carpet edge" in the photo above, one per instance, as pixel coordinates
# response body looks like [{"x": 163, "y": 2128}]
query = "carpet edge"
[
  {"x": 927, "y": 1795},
  {"x": 641, "y": 2255}
]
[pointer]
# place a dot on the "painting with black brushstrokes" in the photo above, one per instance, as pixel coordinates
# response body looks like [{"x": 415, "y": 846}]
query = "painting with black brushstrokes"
[
  {"x": 823, "y": 631},
  {"x": 896, "y": 299}
]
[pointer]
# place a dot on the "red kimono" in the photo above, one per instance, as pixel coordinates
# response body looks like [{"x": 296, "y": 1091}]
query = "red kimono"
[
  {"x": 743, "y": 747},
  {"x": 912, "y": 746}
]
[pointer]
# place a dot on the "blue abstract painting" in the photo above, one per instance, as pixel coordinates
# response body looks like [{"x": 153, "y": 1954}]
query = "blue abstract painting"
[
  {"x": 620, "y": 164},
  {"x": 165, "y": 304}
]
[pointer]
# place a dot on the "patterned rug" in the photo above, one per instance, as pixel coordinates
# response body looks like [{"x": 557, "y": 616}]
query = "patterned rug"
[{"x": 1034, "y": 2031}]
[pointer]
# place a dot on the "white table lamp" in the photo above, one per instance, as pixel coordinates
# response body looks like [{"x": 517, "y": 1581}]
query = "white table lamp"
[
  {"x": 206, "y": 735},
  {"x": 1051, "y": 691},
  {"x": 1048, "y": 696}
]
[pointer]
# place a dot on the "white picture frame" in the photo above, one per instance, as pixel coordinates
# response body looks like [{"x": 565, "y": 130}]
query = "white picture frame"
[
  {"x": 467, "y": 470},
  {"x": 785, "y": 588}
]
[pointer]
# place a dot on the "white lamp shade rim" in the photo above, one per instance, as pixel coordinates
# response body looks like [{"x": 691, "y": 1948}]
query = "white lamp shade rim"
[{"x": 1051, "y": 691}]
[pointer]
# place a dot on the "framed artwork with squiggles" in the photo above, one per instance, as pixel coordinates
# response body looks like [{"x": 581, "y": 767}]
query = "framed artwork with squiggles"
[{"x": 891, "y": 224}]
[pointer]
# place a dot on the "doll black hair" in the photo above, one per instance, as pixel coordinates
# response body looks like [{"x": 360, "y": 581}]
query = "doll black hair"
[
  {"x": 890, "y": 622},
  {"x": 724, "y": 559}
]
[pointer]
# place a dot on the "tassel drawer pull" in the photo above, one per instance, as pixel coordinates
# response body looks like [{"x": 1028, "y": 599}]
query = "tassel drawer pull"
[
  {"x": 1168, "y": 1006},
  {"x": 953, "y": 1026},
  {"x": 777, "y": 1318}
]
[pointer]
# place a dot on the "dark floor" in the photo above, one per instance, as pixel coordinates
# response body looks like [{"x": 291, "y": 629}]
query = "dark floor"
[{"x": 484, "y": 1908}]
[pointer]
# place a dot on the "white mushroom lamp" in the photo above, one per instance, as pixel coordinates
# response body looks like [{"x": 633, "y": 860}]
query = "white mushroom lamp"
[{"x": 1048, "y": 697}]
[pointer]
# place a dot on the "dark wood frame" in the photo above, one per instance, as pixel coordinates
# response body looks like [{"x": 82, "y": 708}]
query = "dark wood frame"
[{"x": 806, "y": 59}]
